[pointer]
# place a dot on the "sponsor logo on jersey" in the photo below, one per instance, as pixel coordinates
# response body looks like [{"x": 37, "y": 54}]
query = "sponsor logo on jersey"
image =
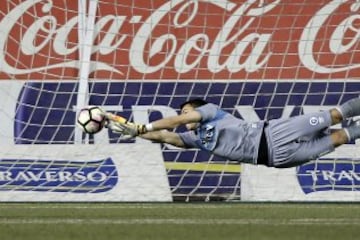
[
  {"x": 57, "y": 175},
  {"x": 330, "y": 175},
  {"x": 207, "y": 135}
]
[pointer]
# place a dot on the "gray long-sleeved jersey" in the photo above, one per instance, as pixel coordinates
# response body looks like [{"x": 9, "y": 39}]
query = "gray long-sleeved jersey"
[{"x": 224, "y": 135}]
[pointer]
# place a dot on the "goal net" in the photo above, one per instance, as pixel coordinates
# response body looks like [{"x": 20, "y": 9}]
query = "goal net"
[{"x": 257, "y": 59}]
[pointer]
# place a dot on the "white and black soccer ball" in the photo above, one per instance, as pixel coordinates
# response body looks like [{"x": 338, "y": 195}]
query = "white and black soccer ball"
[{"x": 91, "y": 119}]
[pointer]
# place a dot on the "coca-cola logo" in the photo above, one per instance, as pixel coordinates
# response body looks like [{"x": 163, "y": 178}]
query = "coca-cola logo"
[{"x": 207, "y": 39}]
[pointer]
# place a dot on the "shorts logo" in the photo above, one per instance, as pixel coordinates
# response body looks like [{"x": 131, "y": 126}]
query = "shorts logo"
[{"x": 314, "y": 121}]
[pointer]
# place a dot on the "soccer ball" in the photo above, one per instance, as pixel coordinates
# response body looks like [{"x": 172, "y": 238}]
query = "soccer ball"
[{"x": 91, "y": 119}]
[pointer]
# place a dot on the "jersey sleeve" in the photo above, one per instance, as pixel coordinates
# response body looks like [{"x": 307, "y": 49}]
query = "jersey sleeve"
[
  {"x": 207, "y": 111},
  {"x": 189, "y": 138}
]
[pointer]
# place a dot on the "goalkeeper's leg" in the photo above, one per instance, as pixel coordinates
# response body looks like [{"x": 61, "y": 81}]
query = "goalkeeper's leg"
[{"x": 303, "y": 151}]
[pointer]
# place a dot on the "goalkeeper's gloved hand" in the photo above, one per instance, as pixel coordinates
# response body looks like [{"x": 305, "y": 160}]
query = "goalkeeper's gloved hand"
[
  {"x": 121, "y": 125},
  {"x": 115, "y": 127},
  {"x": 131, "y": 129},
  {"x": 114, "y": 118}
]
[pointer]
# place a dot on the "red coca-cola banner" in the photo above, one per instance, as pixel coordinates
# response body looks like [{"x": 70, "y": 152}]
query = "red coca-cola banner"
[{"x": 183, "y": 39}]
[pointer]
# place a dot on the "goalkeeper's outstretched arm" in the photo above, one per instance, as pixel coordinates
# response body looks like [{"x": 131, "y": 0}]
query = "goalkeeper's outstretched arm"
[
  {"x": 174, "y": 121},
  {"x": 164, "y": 136},
  {"x": 159, "y": 129},
  {"x": 132, "y": 129}
]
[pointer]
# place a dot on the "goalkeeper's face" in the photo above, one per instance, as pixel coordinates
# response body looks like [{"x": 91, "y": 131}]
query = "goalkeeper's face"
[{"x": 185, "y": 110}]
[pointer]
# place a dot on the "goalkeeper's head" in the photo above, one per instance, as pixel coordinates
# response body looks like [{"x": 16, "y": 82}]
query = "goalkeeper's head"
[
  {"x": 189, "y": 106},
  {"x": 193, "y": 103}
]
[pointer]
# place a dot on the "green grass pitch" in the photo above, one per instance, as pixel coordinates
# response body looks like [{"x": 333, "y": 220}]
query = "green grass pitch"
[{"x": 106, "y": 221}]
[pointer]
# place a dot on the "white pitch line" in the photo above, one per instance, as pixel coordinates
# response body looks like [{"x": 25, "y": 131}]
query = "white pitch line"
[
  {"x": 183, "y": 221},
  {"x": 120, "y": 206},
  {"x": 177, "y": 206}
]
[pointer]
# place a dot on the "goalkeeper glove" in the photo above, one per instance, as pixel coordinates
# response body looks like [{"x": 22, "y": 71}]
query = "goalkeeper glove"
[
  {"x": 114, "y": 118},
  {"x": 121, "y": 125},
  {"x": 131, "y": 129},
  {"x": 115, "y": 127},
  {"x": 113, "y": 122}
]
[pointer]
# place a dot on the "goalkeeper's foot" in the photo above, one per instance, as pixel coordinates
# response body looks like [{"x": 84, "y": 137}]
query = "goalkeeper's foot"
[
  {"x": 350, "y": 108},
  {"x": 353, "y": 130}
]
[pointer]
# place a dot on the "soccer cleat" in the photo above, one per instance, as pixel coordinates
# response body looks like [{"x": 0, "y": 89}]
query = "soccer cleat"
[
  {"x": 353, "y": 121},
  {"x": 350, "y": 108},
  {"x": 353, "y": 129}
]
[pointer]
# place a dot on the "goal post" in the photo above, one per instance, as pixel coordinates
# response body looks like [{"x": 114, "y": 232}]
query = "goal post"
[{"x": 257, "y": 59}]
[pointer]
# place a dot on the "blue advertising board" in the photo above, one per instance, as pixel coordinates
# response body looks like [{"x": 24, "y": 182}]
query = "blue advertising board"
[
  {"x": 45, "y": 115},
  {"x": 57, "y": 175}
]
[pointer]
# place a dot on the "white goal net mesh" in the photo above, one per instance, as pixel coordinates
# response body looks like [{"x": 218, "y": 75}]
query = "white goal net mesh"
[{"x": 258, "y": 59}]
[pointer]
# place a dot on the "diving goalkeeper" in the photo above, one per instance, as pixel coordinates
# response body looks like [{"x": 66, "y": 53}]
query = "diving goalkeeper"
[{"x": 279, "y": 143}]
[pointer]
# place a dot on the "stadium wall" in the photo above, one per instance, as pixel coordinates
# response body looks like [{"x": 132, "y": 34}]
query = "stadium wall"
[{"x": 143, "y": 59}]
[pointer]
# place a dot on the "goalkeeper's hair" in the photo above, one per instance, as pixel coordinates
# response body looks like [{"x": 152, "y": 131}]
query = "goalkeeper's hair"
[{"x": 194, "y": 103}]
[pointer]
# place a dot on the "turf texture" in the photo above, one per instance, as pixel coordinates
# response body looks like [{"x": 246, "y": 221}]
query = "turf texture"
[{"x": 157, "y": 221}]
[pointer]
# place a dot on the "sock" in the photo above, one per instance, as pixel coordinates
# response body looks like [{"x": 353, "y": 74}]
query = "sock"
[
  {"x": 350, "y": 108},
  {"x": 353, "y": 131}
]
